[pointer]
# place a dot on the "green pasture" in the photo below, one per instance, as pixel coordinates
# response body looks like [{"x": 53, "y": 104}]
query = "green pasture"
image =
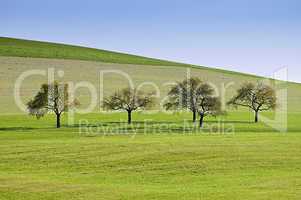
[{"x": 38, "y": 161}]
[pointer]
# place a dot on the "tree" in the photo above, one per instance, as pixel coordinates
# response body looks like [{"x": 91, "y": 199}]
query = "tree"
[
  {"x": 257, "y": 97},
  {"x": 207, "y": 103},
  {"x": 184, "y": 95},
  {"x": 128, "y": 100},
  {"x": 209, "y": 106},
  {"x": 196, "y": 96},
  {"x": 51, "y": 98}
]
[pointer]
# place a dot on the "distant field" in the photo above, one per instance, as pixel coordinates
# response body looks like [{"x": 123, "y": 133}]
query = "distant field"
[{"x": 75, "y": 71}]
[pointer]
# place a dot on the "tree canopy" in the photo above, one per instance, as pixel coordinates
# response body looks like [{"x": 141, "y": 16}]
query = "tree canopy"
[
  {"x": 51, "y": 98},
  {"x": 129, "y": 100},
  {"x": 258, "y": 97},
  {"x": 184, "y": 95},
  {"x": 196, "y": 96}
]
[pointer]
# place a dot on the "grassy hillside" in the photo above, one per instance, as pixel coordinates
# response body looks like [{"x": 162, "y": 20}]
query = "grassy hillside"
[
  {"x": 36, "y": 49},
  {"x": 84, "y": 64}
]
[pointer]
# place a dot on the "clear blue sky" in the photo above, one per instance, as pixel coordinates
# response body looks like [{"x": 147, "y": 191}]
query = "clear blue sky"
[{"x": 255, "y": 36}]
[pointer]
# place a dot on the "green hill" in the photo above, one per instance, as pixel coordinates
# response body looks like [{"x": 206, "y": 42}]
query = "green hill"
[
  {"x": 36, "y": 49},
  {"x": 84, "y": 64}
]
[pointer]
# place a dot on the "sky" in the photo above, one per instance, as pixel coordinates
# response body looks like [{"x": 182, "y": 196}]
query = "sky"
[{"x": 251, "y": 36}]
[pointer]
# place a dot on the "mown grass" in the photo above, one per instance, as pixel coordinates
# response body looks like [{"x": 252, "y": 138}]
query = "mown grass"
[{"x": 38, "y": 161}]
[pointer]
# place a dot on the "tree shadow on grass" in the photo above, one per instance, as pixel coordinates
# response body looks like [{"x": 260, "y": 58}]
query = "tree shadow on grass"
[
  {"x": 28, "y": 128},
  {"x": 16, "y": 128},
  {"x": 229, "y": 122},
  {"x": 135, "y": 123}
]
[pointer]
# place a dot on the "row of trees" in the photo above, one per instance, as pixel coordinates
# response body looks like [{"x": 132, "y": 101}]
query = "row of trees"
[{"x": 191, "y": 94}]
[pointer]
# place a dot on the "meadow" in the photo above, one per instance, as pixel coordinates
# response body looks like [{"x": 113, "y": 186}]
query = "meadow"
[{"x": 160, "y": 156}]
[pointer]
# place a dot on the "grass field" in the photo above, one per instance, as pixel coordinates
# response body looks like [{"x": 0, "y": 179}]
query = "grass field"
[
  {"x": 160, "y": 156},
  {"x": 254, "y": 162}
]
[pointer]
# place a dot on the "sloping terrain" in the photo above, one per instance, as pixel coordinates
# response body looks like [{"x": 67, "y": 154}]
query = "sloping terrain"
[
  {"x": 85, "y": 64},
  {"x": 36, "y": 49}
]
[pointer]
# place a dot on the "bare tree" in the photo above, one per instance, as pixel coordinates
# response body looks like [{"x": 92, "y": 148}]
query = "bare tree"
[
  {"x": 196, "y": 96},
  {"x": 128, "y": 100},
  {"x": 51, "y": 98},
  {"x": 257, "y": 97}
]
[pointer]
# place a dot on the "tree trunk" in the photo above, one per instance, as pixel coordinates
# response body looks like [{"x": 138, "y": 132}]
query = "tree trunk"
[
  {"x": 129, "y": 117},
  {"x": 194, "y": 116},
  {"x": 256, "y": 116},
  {"x": 201, "y": 120},
  {"x": 58, "y": 120}
]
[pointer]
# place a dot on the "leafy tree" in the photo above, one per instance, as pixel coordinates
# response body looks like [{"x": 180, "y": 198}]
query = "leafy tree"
[
  {"x": 257, "y": 97},
  {"x": 196, "y": 96},
  {"x": 128, "y": 100},
  {"x": 184, "y": 95},
  {"x": 51, "y": 98},
  {"x": 207, "y": 103}
]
